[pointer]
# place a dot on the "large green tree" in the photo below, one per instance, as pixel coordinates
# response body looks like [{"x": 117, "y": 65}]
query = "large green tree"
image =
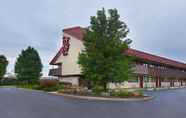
[
  {"x": 28, "y": 66},
  {"x": 103, "y": 59},
  {"x": 3, "y": 66}
]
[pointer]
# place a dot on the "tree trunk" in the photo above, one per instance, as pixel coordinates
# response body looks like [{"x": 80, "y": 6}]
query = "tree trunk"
[{"x": 105, "y": 86}]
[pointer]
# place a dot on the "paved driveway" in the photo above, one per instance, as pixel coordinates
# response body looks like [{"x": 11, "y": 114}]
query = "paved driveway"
[{"x": 16, "y": 103}]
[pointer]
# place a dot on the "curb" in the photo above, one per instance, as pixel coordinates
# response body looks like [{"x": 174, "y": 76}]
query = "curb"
[
  {"x": 168, "y": 88},
  {"x": 7, "y": 87},
  {"x": 104, "y": 98},
  {"x": 26, "y": 89}
]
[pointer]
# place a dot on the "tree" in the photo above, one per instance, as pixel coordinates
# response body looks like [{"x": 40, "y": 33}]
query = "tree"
[
  {"x": 103, "y": 59},
  {"x": 3, "y": 66},
  {"x": 28, "y": 66}
]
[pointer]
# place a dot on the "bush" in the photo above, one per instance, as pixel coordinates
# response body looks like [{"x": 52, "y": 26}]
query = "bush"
[
  {"x": 50, "y": 85},
  {"x": 52, "y": 88},
  {"x": 66, "y": 85},
  {"x": 37, "y": 87},
  {"x": 140, "y": 92},
  {"x": 60, "y": 86},
  {"x": 125, "y": 93},
  {"x": 121, "y": 94},
  {"x": 97, "y": 89},
  {"x": 9, "y": 81},
  {"x": 45, "y": 83}
]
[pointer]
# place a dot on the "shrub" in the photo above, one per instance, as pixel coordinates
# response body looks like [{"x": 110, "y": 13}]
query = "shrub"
[
  {"x": 121, "y": 94},
  {"x": 9, "y": 81},
  {"x": 51, "y": 88},
  {"x": 140, "y": 92},
  {"x": 48, "y": 83},
  {"x": 74, "y": 89},
  {"x": 66, "y": 85},
  {"x": 125, "y": 93},
  {"x": 45, "y": 85},
  {"x": 37, "y": 87},
  {"x": 97, "y": 89},
  {"x": 60, "y": 86}
]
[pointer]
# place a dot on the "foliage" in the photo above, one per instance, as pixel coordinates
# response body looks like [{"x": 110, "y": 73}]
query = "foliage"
[
  {"x": 121, "y": 94},
  {"x": 103, "y": 59},
  {"x": 48, "y": 82},
  {"x": 28, "y": 66},
  {"x": 140, "y": 92},
  {"x": 125, "y": 93},
  {"x": 49, "y": 89},
  {"x": 50, "y": 85},
  {"x": 9, "y": 81},
  {"x": 44, "y": 87},
  {"x": 3, "y": 66},
  {"x": 97, "y": 89}
]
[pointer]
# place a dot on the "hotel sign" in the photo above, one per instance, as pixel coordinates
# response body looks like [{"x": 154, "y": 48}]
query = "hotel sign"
[{"x": 66, "y": 45}]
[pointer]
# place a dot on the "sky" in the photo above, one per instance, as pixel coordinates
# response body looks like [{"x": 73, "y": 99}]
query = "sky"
[{"x": 156, "y": 26}]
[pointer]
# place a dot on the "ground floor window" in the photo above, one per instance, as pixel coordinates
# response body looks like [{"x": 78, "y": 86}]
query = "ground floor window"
[
  {"x": 134, "y": 79},
  {"x": 148, "y": 79}
]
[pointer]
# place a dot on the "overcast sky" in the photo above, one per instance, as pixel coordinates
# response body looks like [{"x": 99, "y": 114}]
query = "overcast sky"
[{"x": 156, "y": 26}]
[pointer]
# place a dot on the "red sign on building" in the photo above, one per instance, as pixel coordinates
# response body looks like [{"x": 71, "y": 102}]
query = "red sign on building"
[{"x": 66, "y": 45}]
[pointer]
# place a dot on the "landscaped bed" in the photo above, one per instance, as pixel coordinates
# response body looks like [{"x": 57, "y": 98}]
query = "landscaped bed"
[
  {"x": 104, "y": 98},
  {"x": 115, "y": 95},
  {"x": 95, "y": 93},
  {"x": 121, "y": 96}
]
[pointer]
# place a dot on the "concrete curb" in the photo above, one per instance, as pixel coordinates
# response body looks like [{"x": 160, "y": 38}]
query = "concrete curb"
[
  {"x": 104, "y": 98},
  {"x": 7, "y": 87},
  {"x": 168, "y": 88}
]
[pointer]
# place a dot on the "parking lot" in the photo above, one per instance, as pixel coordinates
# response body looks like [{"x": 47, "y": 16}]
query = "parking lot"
[{"x": 17, "y": 103}]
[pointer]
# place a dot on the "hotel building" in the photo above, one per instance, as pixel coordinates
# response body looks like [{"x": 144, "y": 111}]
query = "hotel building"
[{"x": 151, "y": 71}]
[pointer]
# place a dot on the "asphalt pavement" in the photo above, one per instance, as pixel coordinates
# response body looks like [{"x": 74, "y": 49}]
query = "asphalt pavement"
[{"x": 18, "y": 103}]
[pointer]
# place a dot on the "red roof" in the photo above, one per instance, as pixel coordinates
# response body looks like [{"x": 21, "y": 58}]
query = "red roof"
[
  {"x": 154, "y": 58},
  {"x": 60, "y": 52},
  {"x": 78, "y": 32}
]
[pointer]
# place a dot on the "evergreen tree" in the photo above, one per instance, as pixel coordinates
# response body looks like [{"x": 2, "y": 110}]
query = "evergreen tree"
[
  {"x": 28, "y": 66},
  {"x": 3, "y": 66},
  {"x": 103, "y": 59}
]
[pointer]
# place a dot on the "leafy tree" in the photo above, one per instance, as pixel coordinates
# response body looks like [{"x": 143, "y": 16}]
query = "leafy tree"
[
  {"x": 103, "y": 59},
  {"x": 3, "y": 66},
  {"x": 28, "y": 66}
]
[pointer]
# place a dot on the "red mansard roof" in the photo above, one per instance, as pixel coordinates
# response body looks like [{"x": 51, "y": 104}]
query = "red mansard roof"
[
  {"x": 154, "y": 58},
  {"x": 78, "y": 33},
  {"x": 60, "y": 52}
]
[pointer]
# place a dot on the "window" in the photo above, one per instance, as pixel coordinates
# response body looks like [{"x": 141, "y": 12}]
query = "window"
[
  {"x": 148, "y": 79},
  {"x": 151, "y": 65},
  {"x": 135, "y": 79}
]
